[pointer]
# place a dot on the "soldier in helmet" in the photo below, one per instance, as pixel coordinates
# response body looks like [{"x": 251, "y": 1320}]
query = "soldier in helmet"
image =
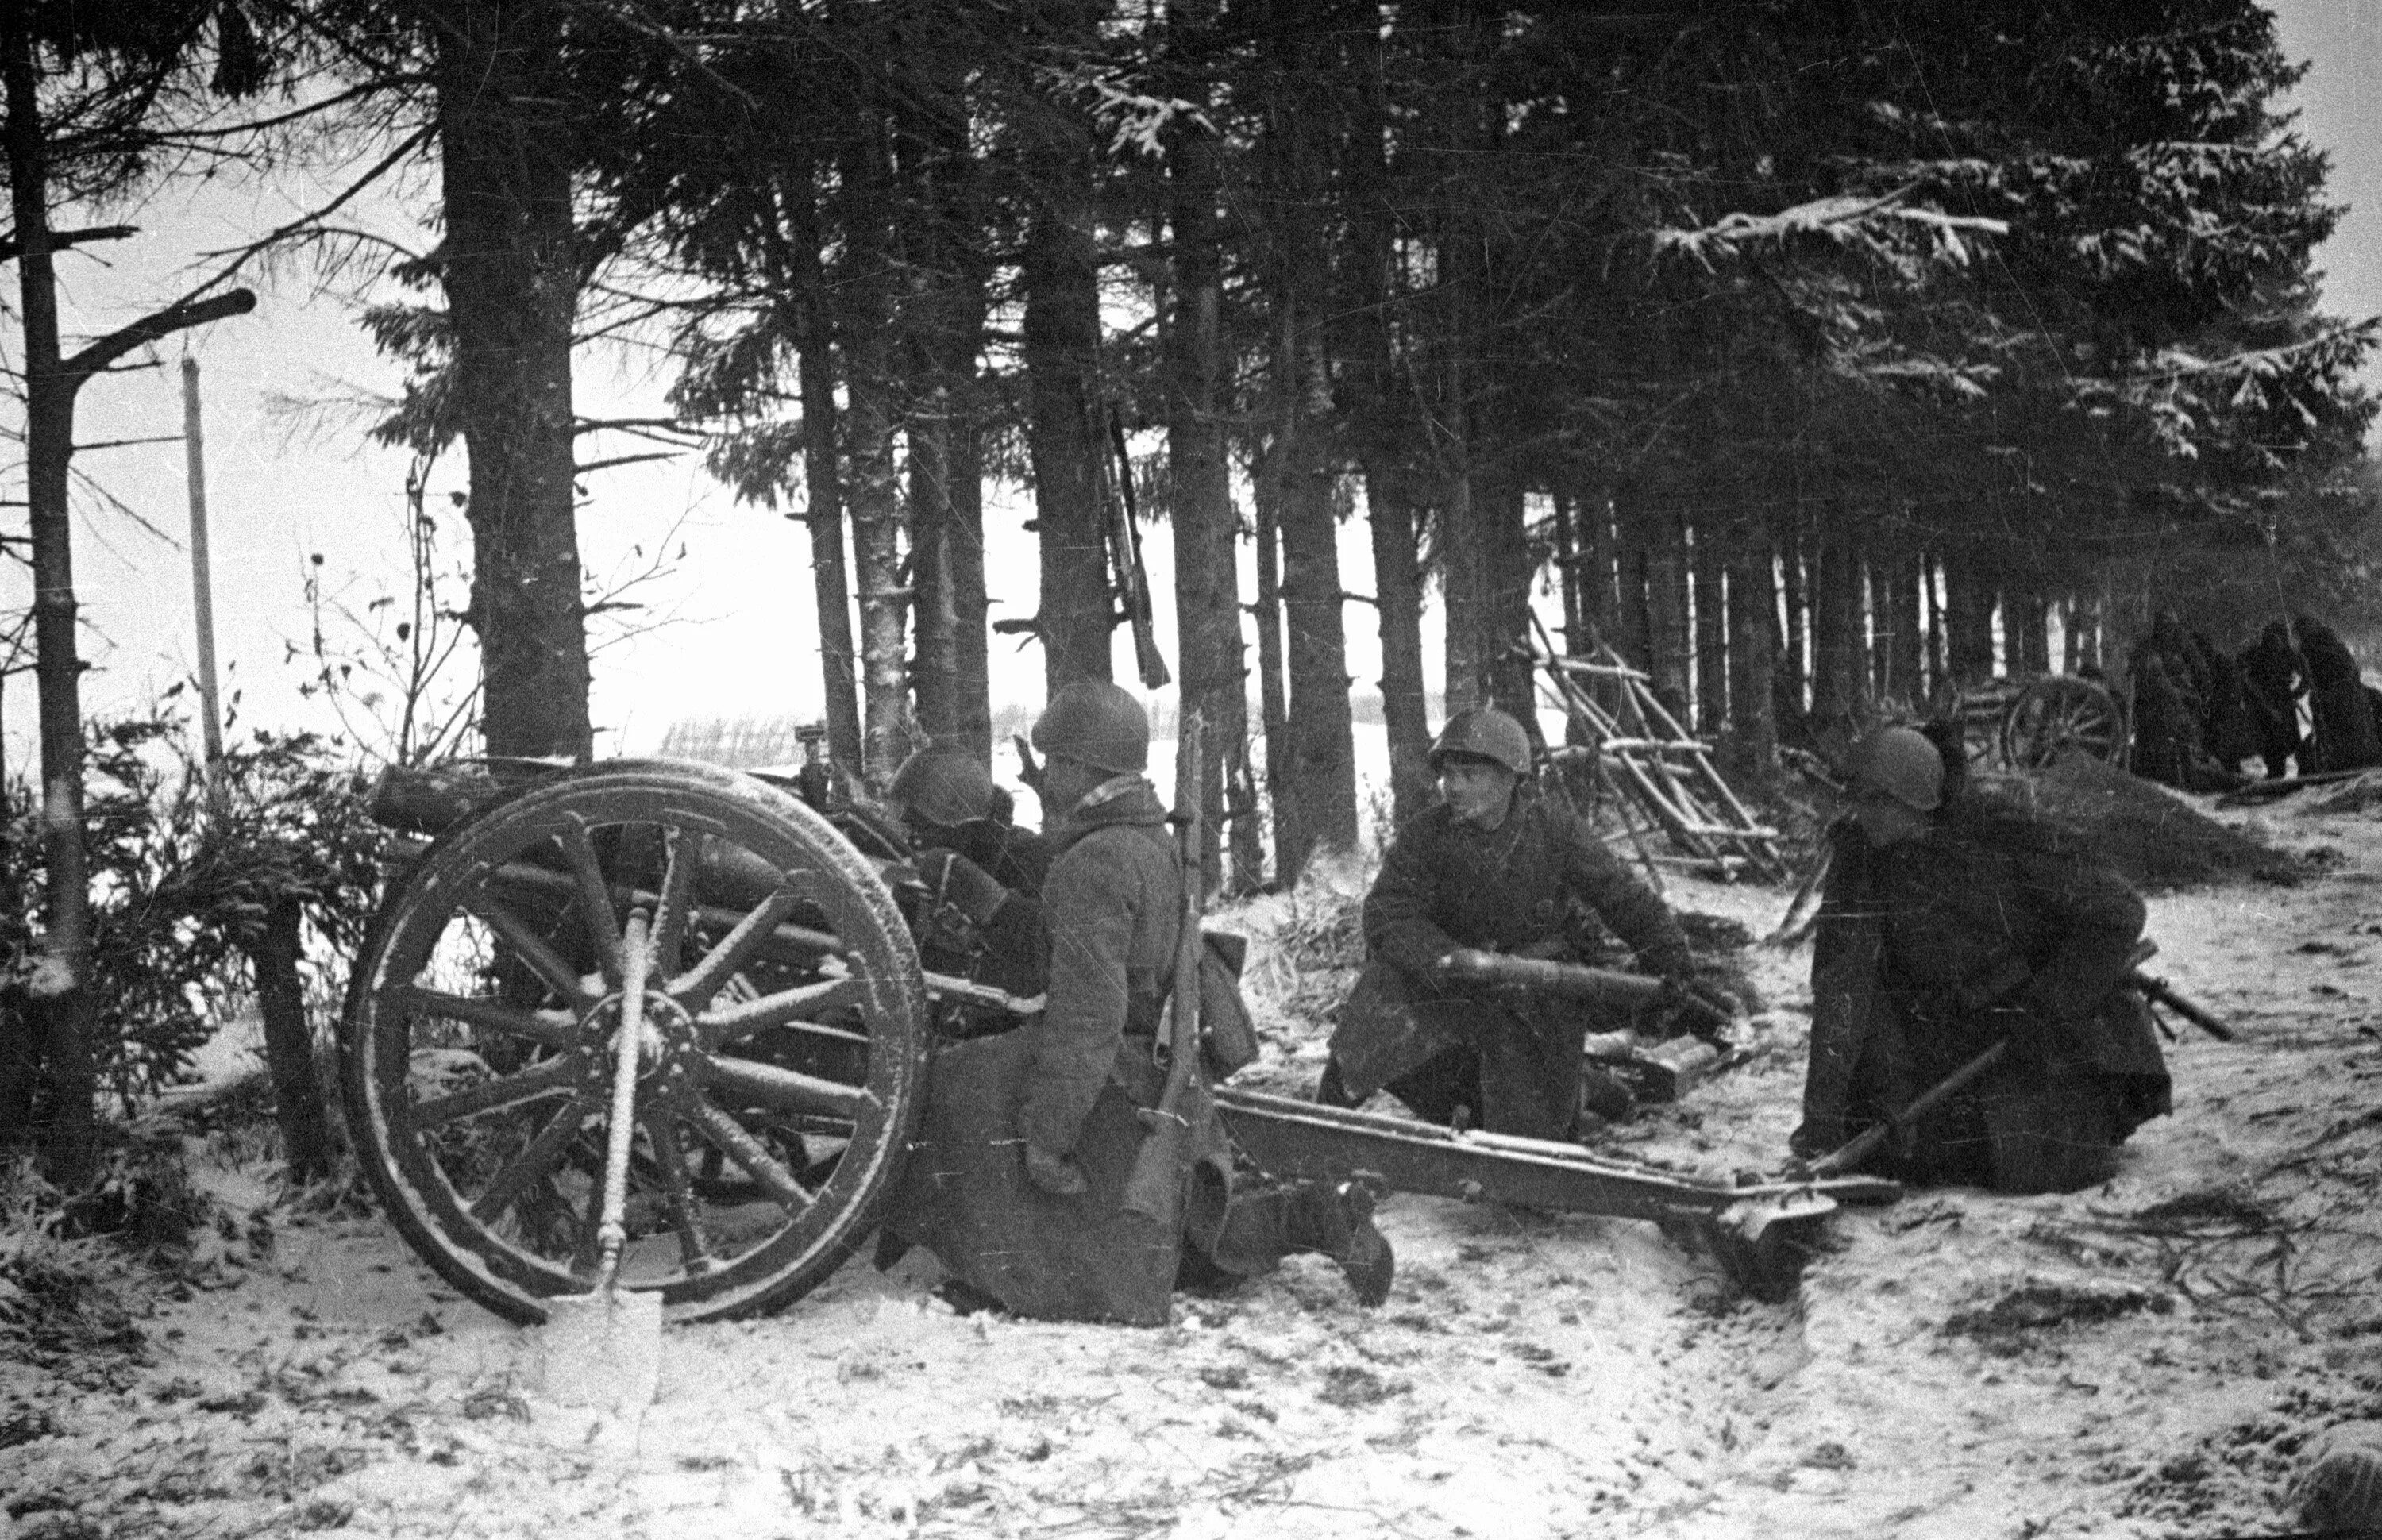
[
  {"x": 1016, "y": 1182},
  {"x": 982, "y": 875},
  {"x": 1493, "y": 866},
  {"x": 1952, "y": 921}
]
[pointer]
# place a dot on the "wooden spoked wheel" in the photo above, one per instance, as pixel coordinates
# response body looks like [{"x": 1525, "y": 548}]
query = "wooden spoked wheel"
[
  {"x": 2062, "y": 714},
  {"x": 781, "y": 1068}
]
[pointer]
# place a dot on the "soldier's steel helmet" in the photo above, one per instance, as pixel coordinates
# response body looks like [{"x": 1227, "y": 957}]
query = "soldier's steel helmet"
[
  {"x": 1484, "y": 732},
  {"x": 1899, "y": 762},
  {"x": 1097, "y": 724},
  {"x": 944, "y": 784}
]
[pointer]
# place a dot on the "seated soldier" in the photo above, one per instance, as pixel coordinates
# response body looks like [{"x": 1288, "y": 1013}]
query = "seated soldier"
[
  {"x": 1017, "y": 1179},
  {"x": 1494, "y": 866},
  {"x": 1952, "y": 921},
  {"x": 982, "y": 875}
]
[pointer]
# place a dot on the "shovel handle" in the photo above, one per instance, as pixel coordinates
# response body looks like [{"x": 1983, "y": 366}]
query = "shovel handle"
[{"x": 612, "y": 1234}]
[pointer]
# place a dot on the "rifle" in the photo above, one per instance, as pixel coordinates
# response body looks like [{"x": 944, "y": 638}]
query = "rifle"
[
  {"x": 1154, "y": 1190},
  {"x": 2157, "y": 992},
  {"x": 1869, "y": 1138},
  {"x": 1572, "y": 981},
  {"x": 1125, "y": 557}
]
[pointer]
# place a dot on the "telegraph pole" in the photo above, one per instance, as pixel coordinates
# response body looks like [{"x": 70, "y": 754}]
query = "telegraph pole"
[{"x": 201, "y": 592}]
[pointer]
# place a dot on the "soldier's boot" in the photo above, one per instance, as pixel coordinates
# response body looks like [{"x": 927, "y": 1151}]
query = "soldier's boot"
[{"x": 1337, "y": 1222}]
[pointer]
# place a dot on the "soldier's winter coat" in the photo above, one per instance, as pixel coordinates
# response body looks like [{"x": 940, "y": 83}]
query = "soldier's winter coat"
[
  {"x": 1526, "y": 887},
  {"x": 1992, "y": 925}
]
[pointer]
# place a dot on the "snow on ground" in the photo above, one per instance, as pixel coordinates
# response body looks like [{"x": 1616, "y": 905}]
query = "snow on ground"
[{"x": 1957, "y": 1364}]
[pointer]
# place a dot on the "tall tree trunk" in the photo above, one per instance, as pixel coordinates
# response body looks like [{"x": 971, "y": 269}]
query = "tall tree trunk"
[
  {"x": 1461, "y": 581},
  {"x": 1385, "y": 434},
  {"x": 1206, "y": 576},
  {"x": 1752, "y": 652},
  {"x": 946, "y": 304},
  {"x": 1062, "y": 326},
  {"x": 1795, "y": 592},
  {"x": 823, "y": 475},
  {"x": 511, "y": 271},
  {"x": 874, "y": 485},
  {"x": 59, "y": 983},
  {"x": 1836, "y": 704},
  {"x": 1509, "y": 574},
  {"x": 1667, "y": 640},
  {"x": 1273, "y": 705},
  {"x": 1712, "y": 630},
  {"x": 1904, "y": 637},
  {"x": 1323, "y": 762},
  {"x": 2030, "y": 613},
  {"x": 70, "y": 1140},
  {"x": 1598, "y": 604},
  {"x": 1931, "y": 590},
  {"x": 1968, "y": 616}
]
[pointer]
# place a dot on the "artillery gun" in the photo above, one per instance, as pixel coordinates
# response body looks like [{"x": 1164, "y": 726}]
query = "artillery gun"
[{"x": 786, "y": 1043}]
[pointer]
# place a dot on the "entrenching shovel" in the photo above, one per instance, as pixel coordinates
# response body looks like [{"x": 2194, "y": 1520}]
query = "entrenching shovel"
[{"x": 604, "y": 1349}]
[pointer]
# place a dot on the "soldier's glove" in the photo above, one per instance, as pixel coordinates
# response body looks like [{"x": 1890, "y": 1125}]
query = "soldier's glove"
[
  {"x": 1700, "y": 1006},
  {"x": 1054, "y": 1174}
]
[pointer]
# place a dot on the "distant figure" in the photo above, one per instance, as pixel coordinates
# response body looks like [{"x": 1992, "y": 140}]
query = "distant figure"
[
  {"x": 2270, "y": 680},
  {"x": 2345, "y": 736}
]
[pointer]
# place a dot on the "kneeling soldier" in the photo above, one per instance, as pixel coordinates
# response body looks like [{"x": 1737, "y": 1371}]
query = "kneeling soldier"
[
  {"x": 981, "y": 874},
  {"x": 1494, "y": 866},
  {"x": 1952, "y": 922},
  {"x": 1016, "y": 1182}
]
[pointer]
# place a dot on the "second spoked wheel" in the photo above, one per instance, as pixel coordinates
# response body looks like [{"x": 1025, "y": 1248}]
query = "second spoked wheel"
[
  {"x": 780, "y": 1073},
  {"x": 2061, "y": 714}
]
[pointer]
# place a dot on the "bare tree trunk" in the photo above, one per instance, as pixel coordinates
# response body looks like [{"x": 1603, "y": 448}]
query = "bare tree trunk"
[
  {"x": 1931, "y": 588},
  {"x": 1273, "y": 705},
  {"x": 59, "y": 983},
  {"x": 1063, "y": 321},
  {"x": 1836, "y": 704},
  {"x": 1968, "y": 617},
  {"x": 1795, "y": 658},
  {"x": 511, "y": 270},
  {"x": 944, "y": 326},
  {"x": 1752, "y": 652},
  {"x": 874, "y": 485},
  {"x": 1207, "y": 577},
  {"x": 823, "y": 479},
  {"x": 1323, "y": 766},
  {"x": 1664, "y": 543},
  {"x": 1508, "y": 573},
  {"x": 1384, "y": 436},
  {"x": 307, "y": 1144},
  {"x": 2031, "y": 615},
  {"x": 1599, "y": 607},
  {"x": 1460, "y": 585},
  {"x": 1904, "y": 637},
  {"x": 1712, "y": 630}
]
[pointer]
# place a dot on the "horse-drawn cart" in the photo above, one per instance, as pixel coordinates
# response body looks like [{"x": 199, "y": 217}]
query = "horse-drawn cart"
[{"x": 783, "y": 1046}]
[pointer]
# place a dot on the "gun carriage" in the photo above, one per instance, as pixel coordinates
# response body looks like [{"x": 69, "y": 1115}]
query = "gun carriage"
[{"x": 782, "y": 1048}]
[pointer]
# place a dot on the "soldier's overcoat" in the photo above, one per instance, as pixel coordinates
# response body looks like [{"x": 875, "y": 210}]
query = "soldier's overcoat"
[
  {"x": 1540, "y": 884},
  {"x": 1992, "y": 925},
  {"x": 1075, "y": 1081}
]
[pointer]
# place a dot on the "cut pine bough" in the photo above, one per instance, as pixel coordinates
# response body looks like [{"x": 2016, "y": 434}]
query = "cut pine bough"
[{"x": 1758, "y": 1233}]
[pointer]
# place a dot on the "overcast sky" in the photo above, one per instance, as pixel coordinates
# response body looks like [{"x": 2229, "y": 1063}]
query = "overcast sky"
[{"x": 737, "y": 635}]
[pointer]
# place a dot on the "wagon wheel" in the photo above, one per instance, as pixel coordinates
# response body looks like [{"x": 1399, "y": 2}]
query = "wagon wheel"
[
  {"x": 785, "y": 1057},
  {"x": 2051, "y": 717}
]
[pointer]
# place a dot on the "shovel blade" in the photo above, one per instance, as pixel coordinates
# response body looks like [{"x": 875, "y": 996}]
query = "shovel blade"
[
  {"x": 1761, "y": 1244},
  {"x": 602, "y": 1351}
]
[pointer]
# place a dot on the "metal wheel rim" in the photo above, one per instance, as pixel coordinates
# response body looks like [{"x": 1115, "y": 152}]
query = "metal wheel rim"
[{"x": 699, "y": 1091}]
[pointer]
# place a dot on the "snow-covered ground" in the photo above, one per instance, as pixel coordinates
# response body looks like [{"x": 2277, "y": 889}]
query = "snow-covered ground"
[{"x": 2142, "y": 1359}]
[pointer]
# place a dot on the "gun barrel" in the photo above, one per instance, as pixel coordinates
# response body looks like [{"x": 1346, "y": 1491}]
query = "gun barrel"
[{"x": 1574, "y": 981}]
